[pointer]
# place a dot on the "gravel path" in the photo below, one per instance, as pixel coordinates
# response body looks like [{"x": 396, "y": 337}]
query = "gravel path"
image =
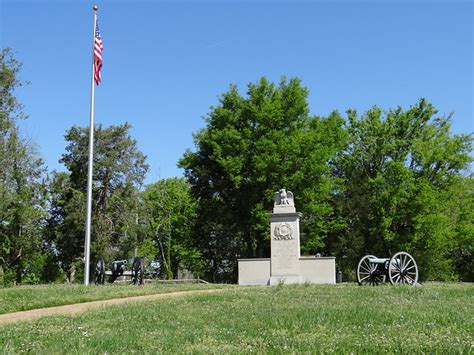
[{"x": 82, "y": 307}]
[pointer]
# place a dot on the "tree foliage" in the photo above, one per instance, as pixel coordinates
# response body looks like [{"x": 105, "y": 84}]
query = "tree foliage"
[
  {"x": 119, "y": 170},
  {"x": 22, "y": 189},
  {"x": 403, "y": 181},
  {"x": 10, "y": 108},
  {"x": 171, "y": 214}
]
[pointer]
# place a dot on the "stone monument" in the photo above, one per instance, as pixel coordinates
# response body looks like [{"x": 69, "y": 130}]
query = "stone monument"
[
  {"x": 285, "y": 239},
  {"x": 286, "y": 264}
]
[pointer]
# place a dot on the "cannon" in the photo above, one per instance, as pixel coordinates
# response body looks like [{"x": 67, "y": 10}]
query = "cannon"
[
  {"x": 400, "y": 269},
  {"x": 119, "y": 268}
]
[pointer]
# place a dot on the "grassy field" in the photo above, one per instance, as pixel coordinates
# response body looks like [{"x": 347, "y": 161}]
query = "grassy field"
[
  {"x": 31, "y": 297},
  {"x": 341, "y": 318}
]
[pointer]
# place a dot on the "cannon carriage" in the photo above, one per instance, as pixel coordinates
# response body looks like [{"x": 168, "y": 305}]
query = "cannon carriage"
[
  {"x": 120, "y": 268},
  {"x": 401, "y": 268}
]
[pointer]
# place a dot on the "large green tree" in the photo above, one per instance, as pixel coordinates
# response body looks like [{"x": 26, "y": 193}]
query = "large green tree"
[
  {"x": 119, "y": 171},
  {"x": 403, "y": 187},
  {"x": 22, "y": 192},
  {"x": 463, "y": 251},
  {"x": 170, "y": 216},
  {"x": 253, "y": 146}
]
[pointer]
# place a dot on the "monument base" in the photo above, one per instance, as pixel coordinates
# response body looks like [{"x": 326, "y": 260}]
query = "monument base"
[
  {"x": 285, "y": 279},
  {"x": 321, "y": 270}
]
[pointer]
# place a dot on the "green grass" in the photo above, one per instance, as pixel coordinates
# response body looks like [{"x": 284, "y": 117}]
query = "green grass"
[
  {"x": 31, "y": 297},
  {"x": 340, "y": 318}
]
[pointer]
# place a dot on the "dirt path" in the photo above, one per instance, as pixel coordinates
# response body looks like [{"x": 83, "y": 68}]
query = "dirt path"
[{"x": 82, "y": 307}]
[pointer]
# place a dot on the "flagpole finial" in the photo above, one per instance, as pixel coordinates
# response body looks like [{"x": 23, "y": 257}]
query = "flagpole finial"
[{"x": 95, "y": 8}]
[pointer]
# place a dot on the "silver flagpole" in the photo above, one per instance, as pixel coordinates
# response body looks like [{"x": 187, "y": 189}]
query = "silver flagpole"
[{"x": 87, "y": 244}]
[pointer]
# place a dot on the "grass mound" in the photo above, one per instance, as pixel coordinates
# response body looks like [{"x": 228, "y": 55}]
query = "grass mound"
[
  {"x": 32, "y": 297},
  {"x": 341, "y": 318}
]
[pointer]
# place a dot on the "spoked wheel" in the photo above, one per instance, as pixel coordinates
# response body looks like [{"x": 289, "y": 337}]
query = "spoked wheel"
[
  {"x": 402, "y": 269},
  {"x": 99, "y": 273},
  {"x": 367, "y": 272},
  {"x": 138, "y": 270}
]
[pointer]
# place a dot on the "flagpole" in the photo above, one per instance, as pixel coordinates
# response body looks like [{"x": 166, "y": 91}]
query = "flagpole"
[{"x": 87, "y": 243}]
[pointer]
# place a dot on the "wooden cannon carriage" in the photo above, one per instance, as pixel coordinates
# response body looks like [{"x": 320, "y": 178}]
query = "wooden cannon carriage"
[
  {"x": 119, "y": 268},
  {"x": 401, "y": 268}
]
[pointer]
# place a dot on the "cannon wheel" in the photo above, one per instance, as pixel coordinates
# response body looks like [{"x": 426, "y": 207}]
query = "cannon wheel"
[
  {"x": 366, "y": 272},
  {"x": 402, "y": 269},
  {"x": 99, "y": 274},
  {"x": 138, "y": 269}
]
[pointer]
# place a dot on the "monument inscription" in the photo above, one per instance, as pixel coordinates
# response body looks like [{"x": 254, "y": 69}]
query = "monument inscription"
[{"x": 284, "y": 259}]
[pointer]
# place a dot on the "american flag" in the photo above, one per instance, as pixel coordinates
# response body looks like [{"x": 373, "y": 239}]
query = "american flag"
[{"x": 98, "y": 47}]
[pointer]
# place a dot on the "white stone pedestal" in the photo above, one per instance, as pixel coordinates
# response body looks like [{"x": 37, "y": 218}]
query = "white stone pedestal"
[{"x": 285, "y": 247}]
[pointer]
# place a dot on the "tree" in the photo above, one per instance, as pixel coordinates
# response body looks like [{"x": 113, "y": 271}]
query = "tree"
[
  {"x": 171, "y": 213},
  {"x": 401, "y": 173},
  {"x": 22, "y": 192},
  {"x": 463, "y": 251},
  {"x": 253, "y": 146},
  {"x": 65, "y": 227},
  {"x": 119, "y": 171},
  {"x": 10, "y": 108}
]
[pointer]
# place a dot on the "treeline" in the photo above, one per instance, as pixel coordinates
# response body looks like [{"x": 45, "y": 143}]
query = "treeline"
[{"x": 376, "y": 182}]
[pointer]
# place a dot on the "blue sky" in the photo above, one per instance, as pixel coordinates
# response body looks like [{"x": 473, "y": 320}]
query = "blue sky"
[{"x": 166, "y": 62}]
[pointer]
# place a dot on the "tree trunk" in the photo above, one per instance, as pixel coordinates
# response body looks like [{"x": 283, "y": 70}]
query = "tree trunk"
[{"x": 18, "y": 275}]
